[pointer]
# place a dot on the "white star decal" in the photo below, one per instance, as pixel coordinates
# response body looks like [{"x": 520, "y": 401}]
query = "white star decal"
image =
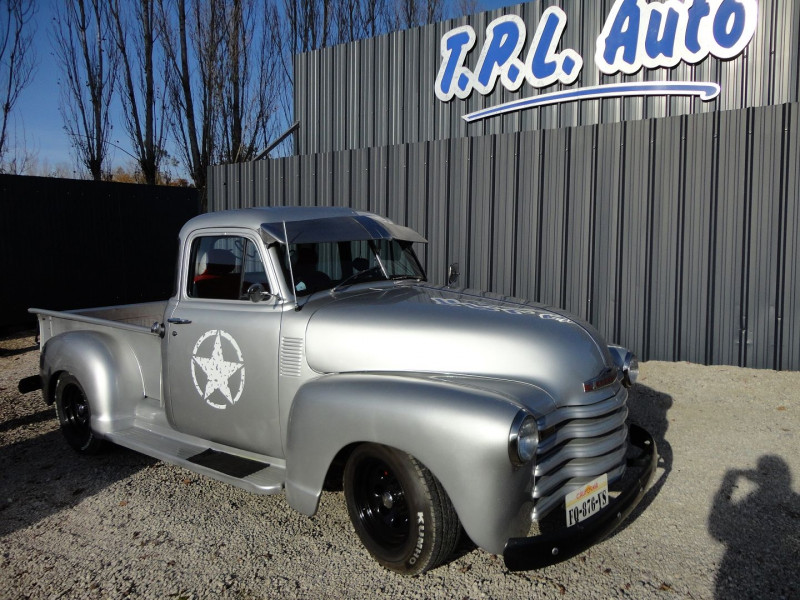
[{"x": 218, "y": 371}]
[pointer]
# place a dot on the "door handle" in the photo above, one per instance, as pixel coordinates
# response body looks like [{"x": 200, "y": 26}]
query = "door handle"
[{"x": 176, "y": 321}]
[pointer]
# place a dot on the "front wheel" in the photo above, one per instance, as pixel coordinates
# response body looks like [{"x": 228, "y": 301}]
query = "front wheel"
[
  {"x": 399, "y": 509},
  {"x": 75, "y": 415}
]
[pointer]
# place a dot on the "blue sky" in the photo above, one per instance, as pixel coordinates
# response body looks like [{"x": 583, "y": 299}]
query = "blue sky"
[{"x": 37, "y": 117}]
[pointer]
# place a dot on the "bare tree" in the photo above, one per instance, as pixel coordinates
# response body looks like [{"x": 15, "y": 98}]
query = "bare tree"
[
  {"x": 466, "y": 7},
  {"x": 248, "y": 92},
  {"x": 309, "y": 24},
  {"x": 358, "y": 19},
  {"x": 143, "y": 94},
  {"x": 87, "y": 60},
  {"x": 403, "y": 14},
  {"x": 192, "y": 39},
  {"x": 17, "y": 59},
  {"x": 19, "y": 159}
]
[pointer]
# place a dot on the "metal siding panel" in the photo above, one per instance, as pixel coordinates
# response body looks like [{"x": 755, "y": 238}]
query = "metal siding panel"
[
  {"x": 604, "y": 292},
  {"x": 275, "y": 182},
  {"x": 635, "y": 233},
  {"x": 396, "y": 112},
  {"x": 355, "y": 82},
  {"x": 379, "y": 180},
  {"x": 397, "y": 191},
  {"x": 528, "y": 215},
  {"x": 790, "y": 297},
  {"x": 438, "y": 226},
  {"x": 428, "y": 68},
  {"x": 340, "y": 178},
  {"x": 669, "y": 197},
  {"x": 325, "y": 180},
  {"x": 728, "y": 310},
  {"x": 382, "y": 91},
  {"x": 417, "y": 192},
  {"x": 481, "y": 226},
  {"x": 341, "y": 99},
  {"x": 410, "y": 89},
  {"x": 697, "y": 229},
  {"x": 580, "y": 223},
  {"x": 292, "y": 183},
  {"x": 261, "y": 183},
  {"x": 307, "y": 168},
  {"x": 359, "y": 179},
  {"x": 764, "y": 222},
  {"x": 553, "y": 215},
  {"x": 460, "y": 209},
  {"x": 364, "y": 112},
  {"x": 504, "y": 227}
]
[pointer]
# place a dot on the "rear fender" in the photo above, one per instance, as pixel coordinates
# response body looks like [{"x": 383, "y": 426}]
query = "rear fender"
[
  {"x": 106, "y": 368},
  {"x": 459, "y": 432}
]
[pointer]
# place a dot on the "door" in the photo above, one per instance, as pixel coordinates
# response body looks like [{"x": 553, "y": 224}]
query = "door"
[{"x": 221, "y": 347}]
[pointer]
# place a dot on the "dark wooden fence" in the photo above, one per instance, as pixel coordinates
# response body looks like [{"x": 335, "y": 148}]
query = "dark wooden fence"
[{"x": 75, "y": 244}]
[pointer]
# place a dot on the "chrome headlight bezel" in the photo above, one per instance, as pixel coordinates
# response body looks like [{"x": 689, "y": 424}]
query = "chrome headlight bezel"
[
  {"x": 523, "y": 439},
  {"x": 627, "y": 363},
  {"x": 630, "y": 370}
]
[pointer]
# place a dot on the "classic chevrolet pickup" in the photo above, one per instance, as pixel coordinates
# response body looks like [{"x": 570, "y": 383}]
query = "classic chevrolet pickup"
[{"x": 303, "y": 346}]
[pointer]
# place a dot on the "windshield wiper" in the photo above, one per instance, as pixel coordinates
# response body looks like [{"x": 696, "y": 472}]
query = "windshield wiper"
[
  {"x": 356, "y": 276},
  {"x": 405, "y": 276}
]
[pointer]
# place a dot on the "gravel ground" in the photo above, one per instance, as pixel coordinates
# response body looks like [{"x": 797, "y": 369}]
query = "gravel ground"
[{"x": 721, "y": 519}]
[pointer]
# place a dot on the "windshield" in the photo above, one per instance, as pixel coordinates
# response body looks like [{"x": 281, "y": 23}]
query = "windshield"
[{"x": 326, "y": 265}]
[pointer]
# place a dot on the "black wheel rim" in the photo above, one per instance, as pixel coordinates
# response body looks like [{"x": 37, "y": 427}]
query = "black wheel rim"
[
  {"x": 381, "y": 504},
  {"x": 76, "y": 411}
]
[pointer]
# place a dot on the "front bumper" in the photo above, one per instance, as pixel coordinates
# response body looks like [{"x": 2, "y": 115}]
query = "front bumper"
[{"x": 522, "y": 554}]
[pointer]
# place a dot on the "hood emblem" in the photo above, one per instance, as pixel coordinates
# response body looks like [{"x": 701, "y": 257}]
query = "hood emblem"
[{"x": 220, "y": 374}]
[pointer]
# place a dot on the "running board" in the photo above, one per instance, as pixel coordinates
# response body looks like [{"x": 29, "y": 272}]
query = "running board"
[{"x": 253, "y": 475}]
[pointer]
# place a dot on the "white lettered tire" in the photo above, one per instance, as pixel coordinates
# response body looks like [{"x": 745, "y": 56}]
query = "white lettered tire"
[{"x": 399, "y": 509}]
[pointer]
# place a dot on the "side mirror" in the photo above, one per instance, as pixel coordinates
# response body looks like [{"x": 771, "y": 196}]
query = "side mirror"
[
  {"x": 257, "y": 293},
  {"x": 452, "y": 274}
]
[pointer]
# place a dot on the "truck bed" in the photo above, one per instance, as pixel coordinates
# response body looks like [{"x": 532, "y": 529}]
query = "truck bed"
[{"x": 128, "y": 324}]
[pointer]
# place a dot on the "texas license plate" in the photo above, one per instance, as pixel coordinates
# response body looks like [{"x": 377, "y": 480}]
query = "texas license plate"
[{"x": 587, "y": 500}]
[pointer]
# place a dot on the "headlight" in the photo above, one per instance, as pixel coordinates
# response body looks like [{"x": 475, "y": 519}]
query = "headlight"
[{"x": 523, "y": 439}]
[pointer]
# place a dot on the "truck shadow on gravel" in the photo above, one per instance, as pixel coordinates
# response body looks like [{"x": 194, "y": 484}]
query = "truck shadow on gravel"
[
  {"x": 41, "y": 476},
  {"x": 756, "y": 514}
]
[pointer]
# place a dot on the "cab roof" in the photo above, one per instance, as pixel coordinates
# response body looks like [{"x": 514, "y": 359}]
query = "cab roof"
[{"x": 269, "y": 219}]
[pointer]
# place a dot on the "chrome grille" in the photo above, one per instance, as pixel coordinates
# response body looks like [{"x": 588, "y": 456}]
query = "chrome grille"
[{"x": 578, "y": 444}]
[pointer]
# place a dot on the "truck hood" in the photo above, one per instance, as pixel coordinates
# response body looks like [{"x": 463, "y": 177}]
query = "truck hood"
[{"x": 425, "y": 329}]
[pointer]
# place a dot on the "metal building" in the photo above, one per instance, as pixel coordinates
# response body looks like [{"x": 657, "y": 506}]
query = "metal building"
[{"x": 637, "y": 163}]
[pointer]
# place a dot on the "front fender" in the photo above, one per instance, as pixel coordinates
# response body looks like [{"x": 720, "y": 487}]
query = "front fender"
[
  {"x": 459, "y": 432},
  {"x": 106, "y": 368}
]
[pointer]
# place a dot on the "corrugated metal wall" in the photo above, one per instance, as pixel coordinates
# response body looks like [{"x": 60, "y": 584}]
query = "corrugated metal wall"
[
  {"x": 677, "y": 237},
  {"x": 380, "y": 91}
]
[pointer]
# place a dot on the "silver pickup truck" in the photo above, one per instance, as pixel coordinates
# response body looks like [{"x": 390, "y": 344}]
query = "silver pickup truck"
[{"x": 303, "y": 347}]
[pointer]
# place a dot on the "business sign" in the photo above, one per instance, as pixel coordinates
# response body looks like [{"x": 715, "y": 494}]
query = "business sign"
[{"x": 636, "y": 35}]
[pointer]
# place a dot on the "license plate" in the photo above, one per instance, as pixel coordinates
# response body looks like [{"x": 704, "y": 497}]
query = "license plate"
[{"x": 588, "y": 500}]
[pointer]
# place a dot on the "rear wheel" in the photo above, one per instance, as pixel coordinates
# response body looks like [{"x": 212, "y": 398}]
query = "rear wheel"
[
  {"x": 74, "y": 415},
  {"x": 399, "y": 509}
]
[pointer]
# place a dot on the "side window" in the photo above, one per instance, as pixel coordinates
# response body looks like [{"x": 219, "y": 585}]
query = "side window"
[{"x": 224, "y": 267}]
